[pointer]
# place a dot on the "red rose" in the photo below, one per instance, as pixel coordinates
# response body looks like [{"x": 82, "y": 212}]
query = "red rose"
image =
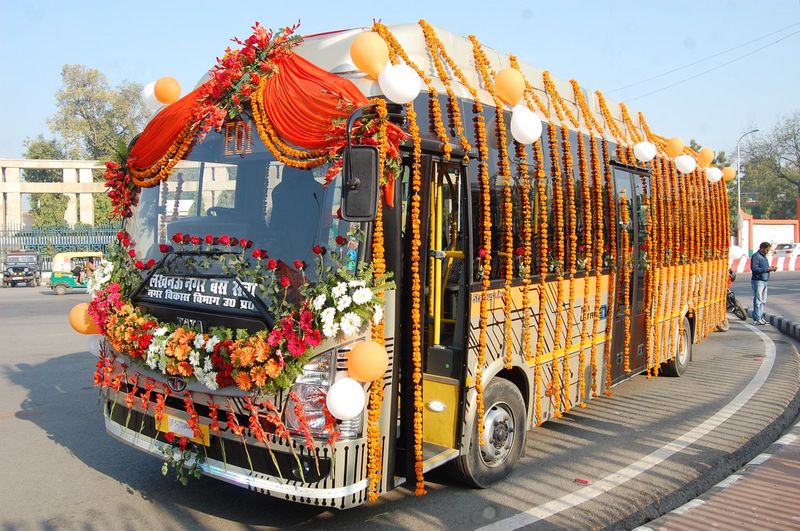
[
  {"x": 139, "y": 264},
  {"x": 209, "y": 239},
  {"x": 186, "y": 238},
  {"x": 234, "y": 242},
  {"x": 177, "y": 237},
  {"x": 182, "y": 442},
  {"x": 126, "y": 242},
  {"x": 482, "y": 253},
  {"x": 164, "y": 248},
  {"x": 318, "y": 249},
  {"x": 341, "y": 240},
  {"x": 643, "y": 246},
  {"x": 272, "y": 264},
  {"x": 195, "y": 240},
  {"x": 121, "y": 235},
  {"x": 170, "y": 437},
  {"x": 519, "y": 251},
  {"x": 150, "y": 263},
  {"x": 132, "y": 253},
  {"x": 298, "y": 264},
  {"x": 581, "y": 248},
  {"x": 285, "y": 282},
  {"x": 246, "y": 244},
  {"x": 257, "y": 254},
  {"x": 339, "y": 213}
]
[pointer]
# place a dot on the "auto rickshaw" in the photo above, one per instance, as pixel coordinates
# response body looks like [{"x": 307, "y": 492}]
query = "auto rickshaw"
[{"x": 68, "y": 270}]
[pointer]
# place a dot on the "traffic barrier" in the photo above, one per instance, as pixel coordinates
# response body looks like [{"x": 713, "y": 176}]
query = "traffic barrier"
[{"x": 742, "y": 265}]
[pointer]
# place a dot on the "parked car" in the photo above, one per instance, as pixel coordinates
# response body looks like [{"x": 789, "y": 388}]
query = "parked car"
[
  {"x": 787, "y": 250},
  {"x": 22, "y": 267}
]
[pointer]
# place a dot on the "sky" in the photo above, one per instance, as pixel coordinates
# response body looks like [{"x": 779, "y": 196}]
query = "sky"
[{"x": 615, "y": 46}]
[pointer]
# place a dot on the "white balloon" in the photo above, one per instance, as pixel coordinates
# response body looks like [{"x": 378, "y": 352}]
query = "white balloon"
[
  {"x": 345, "y": 399},
  {"x": 644, "y": 151},
  {"x": 149, "y": 97},
  {"x": 713, "y": 174},
  {"x": 685, "y": 163},
  {"x": 400, "y": 83},
  {"x": 95, "y": 341},
  {"x": 526, "y": 127}
]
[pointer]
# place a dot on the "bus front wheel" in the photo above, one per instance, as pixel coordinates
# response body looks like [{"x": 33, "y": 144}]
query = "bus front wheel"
[{"x": 493, "y": 456}]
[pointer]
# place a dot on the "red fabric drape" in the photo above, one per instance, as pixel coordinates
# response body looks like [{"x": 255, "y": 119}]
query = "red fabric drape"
[
  {"x": 302, "y": 99},
  {"x": 162, "y": 131}
]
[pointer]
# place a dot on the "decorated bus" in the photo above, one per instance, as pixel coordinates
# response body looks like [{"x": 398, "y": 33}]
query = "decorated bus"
[{"x": 350, "y": 258}]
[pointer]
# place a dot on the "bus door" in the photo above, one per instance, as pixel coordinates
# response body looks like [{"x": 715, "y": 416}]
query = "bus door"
[
  {"x": 629, "y": 190},
  {"x": 444, "y": 297}
]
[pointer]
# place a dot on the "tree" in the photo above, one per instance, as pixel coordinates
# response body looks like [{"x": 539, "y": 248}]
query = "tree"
[
  {"x": 47, "y": 209},
  {"x": 772, "y": 169},
  {"x": 92, "y": 117}
]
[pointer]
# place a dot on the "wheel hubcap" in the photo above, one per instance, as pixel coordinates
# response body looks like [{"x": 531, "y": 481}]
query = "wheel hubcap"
[{"x": 498, "y": 434}]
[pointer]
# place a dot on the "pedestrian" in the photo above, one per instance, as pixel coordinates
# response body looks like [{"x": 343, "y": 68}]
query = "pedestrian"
[
  {"x": 760, "y": 270},
  {"x": 88, "y": 269}
]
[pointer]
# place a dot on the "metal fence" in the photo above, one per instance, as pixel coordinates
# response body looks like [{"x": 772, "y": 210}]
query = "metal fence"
[{"x": 49, "y": 241}]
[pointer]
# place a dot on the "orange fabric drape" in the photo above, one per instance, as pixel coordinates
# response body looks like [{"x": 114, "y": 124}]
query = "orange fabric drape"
[
  {"x": 302, "y": 99},
  {"x": 162, "y": 132}
]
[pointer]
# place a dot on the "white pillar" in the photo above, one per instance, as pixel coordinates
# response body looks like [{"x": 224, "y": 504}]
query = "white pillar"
[
  {"x": 71, "y": 214},
  {"x": 85, "y": 199},
  {"x": 13, "y": 200}
]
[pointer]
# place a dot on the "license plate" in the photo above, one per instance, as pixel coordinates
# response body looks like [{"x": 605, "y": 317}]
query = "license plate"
[{"x": 181, "y": 428}]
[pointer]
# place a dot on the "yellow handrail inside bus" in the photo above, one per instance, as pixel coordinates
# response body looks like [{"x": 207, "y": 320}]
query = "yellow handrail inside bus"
[{"x": 437, "y": 267}]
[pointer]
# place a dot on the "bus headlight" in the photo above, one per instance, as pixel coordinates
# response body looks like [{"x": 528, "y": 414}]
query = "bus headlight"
[{"x": 311, "y": 388}]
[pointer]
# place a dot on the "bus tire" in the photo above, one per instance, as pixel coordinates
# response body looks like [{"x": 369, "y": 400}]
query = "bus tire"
[
  {"x": 680, "y": 362},
  {"x": 60, "y": 289},
  {"x": 494, "y": 457}
]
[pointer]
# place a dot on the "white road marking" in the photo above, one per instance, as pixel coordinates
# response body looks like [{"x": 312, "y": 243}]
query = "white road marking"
[
  {"x": 728, "y": 481},
  {"x": 544, "y": 511},
  {"x": 688, "y": 506},
  {"x": 759, "y": 459}
]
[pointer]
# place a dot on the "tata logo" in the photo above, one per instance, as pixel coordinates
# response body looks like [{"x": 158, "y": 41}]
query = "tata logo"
[
  {"x": 176, "y": 383},
  {"x": 603, "y": 311}
]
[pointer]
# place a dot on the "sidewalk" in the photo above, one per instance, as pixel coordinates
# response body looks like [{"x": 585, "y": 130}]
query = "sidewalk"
[{"x": 765, "y": 494}]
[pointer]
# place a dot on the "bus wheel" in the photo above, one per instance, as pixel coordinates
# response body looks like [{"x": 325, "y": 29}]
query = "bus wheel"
[
  {"x": 494, "y": 456},
  {"x": 683, "y": 353},
  {"x": 60, "y": 289}
]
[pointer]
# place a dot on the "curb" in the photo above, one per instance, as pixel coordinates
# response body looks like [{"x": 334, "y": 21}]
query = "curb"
[
  {"x": 784, "y": 325},
  {"x": 725, "y": 465}
]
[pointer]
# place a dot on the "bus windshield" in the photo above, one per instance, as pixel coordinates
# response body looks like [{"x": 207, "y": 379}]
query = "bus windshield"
[{"x": 230, "y": 185}]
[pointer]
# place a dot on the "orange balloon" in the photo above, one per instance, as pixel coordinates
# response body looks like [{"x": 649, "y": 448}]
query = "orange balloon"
[
  {"x": 367, "y": 361},
  {"x": 705, "y": 156},
  {"x": 509, "y": 85},
  {"x": 674, "y": 147},
  {"x": 167, "y": 90},
  {"x": 81, "y": 321},
  {"x": 369, "y": 53},
  {"x": 728, "y": 174}
]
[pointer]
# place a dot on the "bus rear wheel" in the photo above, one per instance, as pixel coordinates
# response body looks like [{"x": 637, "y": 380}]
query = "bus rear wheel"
[
  {"x": 683, "y": 353},
  {"x": 493, "y": 456}
]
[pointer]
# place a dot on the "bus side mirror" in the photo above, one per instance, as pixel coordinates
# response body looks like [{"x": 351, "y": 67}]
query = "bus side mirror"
[{"x": 360, "y": 186}]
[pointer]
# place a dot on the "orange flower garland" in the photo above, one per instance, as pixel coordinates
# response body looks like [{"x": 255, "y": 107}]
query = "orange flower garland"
[
  {"x": 161, "y": 169},
  {"x": 572, "y": 239},
  {"x": 526, "y": 267},
  {"x": 612, "y": 250},
  {"x": 615, "y": 130},
  {"x": 558, "y": 251},
  {"x": 586, "y": 243},
  {"x": 507, "y": 230},
  {"x": 625, "y": 277},
  {"x": 598, "y": 228},
  {"x": 541, "y": 204}
]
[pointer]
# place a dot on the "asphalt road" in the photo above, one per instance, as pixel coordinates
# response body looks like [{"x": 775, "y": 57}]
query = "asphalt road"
[
  {"x": 59, "y": 469},
  {"x": 783, "y": 294}
]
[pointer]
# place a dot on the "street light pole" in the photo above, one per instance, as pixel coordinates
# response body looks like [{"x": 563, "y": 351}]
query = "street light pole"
[{"x": 739, "y": 191}]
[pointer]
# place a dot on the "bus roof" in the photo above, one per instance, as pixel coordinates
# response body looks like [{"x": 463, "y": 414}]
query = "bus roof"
[{"x": 331, "y": 52}]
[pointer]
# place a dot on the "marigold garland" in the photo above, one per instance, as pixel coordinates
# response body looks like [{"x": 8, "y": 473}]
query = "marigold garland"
[
  {"x": 163, "y": 167},
  {"x": 504, "y": 171},
  {"x": 618, "y": 134},
  {"x": 530, "y": 96},
  {"x": 586, "y": 253},
  {"x": 598, "y": 227},
  {"x": 612, "y": 251},
  {"x": 374, "y": 446},
  {"x": 526, "y": 265},
  {"x": 625, "y": 277},
  {"x": 572, "y": 250},
  {"x": 558, "y": 251},
  {"x": 541, "y": 205}
]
